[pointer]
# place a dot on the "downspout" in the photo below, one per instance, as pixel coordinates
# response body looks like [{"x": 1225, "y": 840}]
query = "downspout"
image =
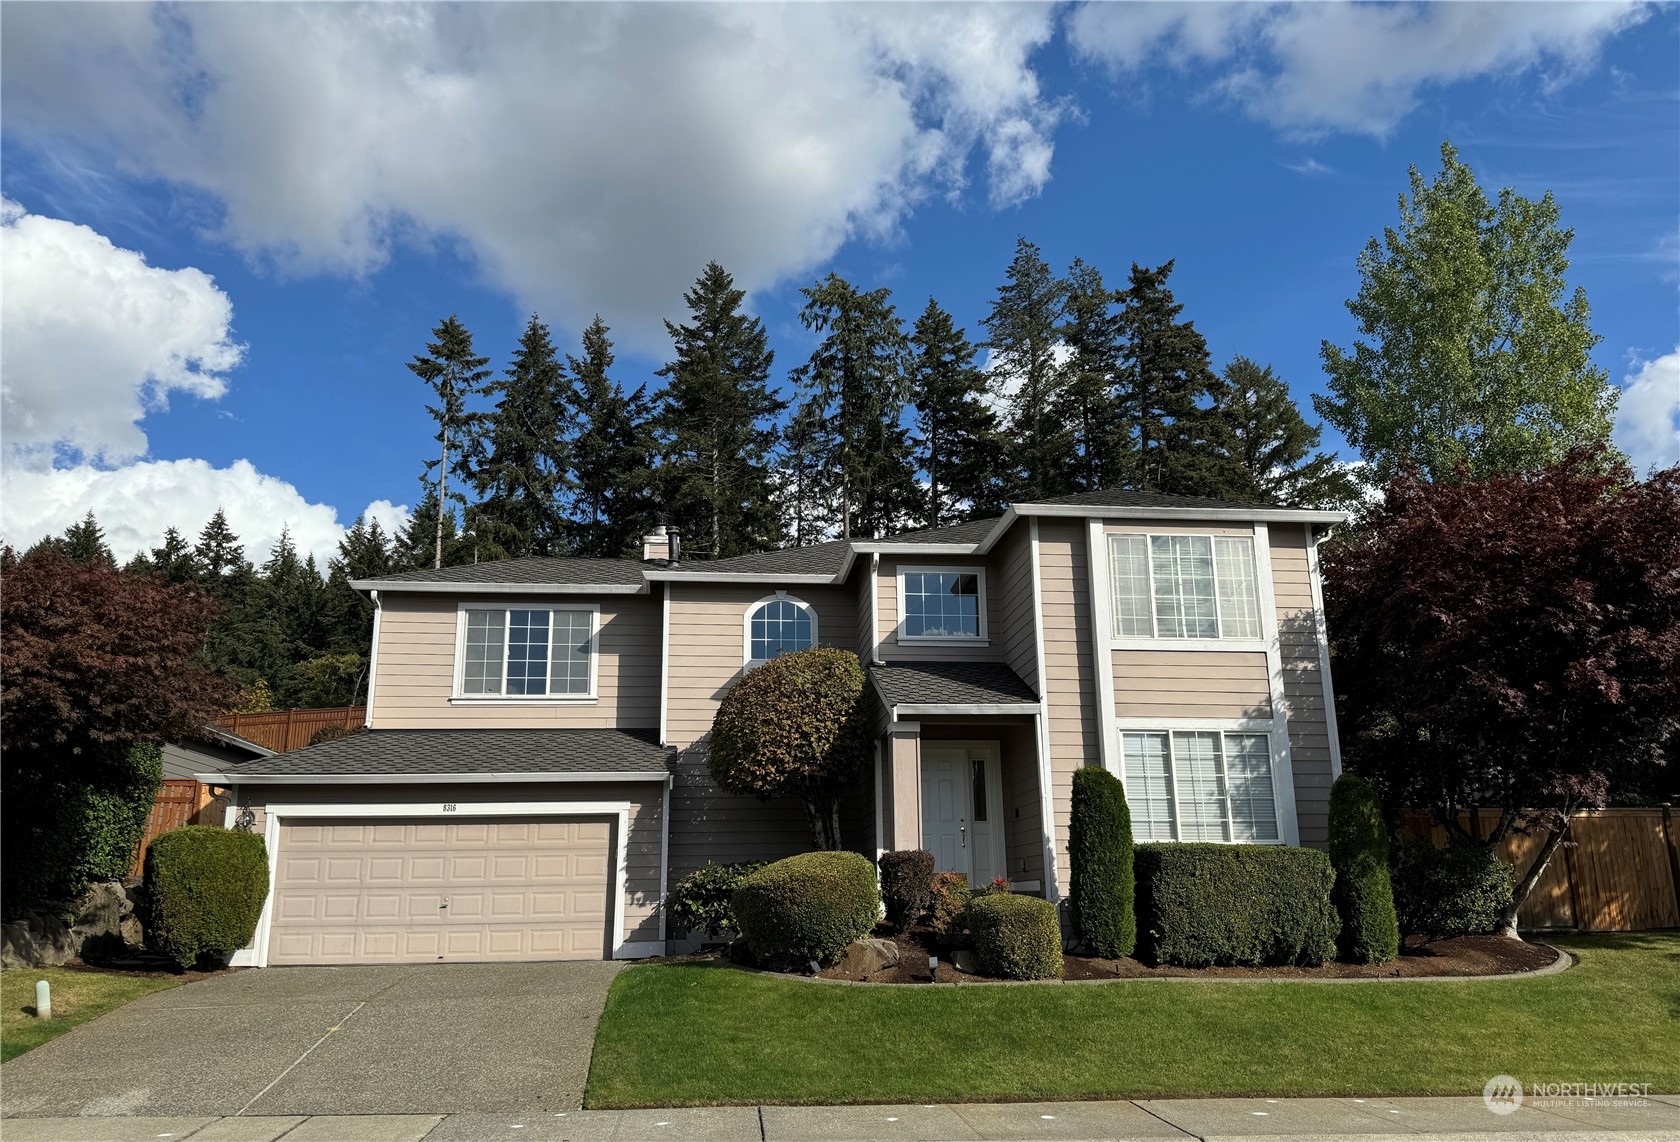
[
  {"x": 874, "y": 615},
  {"x": 373, "y": 659}
]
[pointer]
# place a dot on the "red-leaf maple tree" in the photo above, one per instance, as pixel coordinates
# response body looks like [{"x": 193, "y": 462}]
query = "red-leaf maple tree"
[{"x": 1510, "y": 643}]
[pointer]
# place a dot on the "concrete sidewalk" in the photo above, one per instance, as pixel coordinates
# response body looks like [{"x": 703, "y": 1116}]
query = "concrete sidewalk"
[{"x": 1210, "y": 1120}]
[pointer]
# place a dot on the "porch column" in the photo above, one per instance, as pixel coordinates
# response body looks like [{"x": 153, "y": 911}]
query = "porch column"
[{"x": 904, "y": 779}]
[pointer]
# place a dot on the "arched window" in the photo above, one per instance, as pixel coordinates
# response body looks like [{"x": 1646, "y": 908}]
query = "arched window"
[{"x": 778, "y": 625}]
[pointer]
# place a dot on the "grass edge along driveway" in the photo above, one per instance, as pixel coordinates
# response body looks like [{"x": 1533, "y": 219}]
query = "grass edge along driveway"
[
  {"x": 697, "y": 1035},
  {"x": 77, "y": 997}
]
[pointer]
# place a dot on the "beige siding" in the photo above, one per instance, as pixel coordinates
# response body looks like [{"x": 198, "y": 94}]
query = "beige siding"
[
  {"x": 1018, "y": 635},
  {"x": 1303, "y": 682},
  {"x": 1070, "y": 674},
  {"x": 944, "y": 650},
  {"x": 1191, "y": 684},
  {"x": 646, "y": 798},
  {"x": 708, "y": 824},
  {"x": 707, "y": 644},
  {"x": 416, "y": 677},
  {"x": 860, "y": 599}
]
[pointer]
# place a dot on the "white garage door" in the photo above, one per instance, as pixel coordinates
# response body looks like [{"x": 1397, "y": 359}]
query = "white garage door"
[{"x": 394, "y": 891}]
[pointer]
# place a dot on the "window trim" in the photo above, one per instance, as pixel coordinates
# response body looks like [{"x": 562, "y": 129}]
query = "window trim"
[
  {"x": 748, "y": 662},
  {"x": 1118, "y": 641},
  {"x": 1282, "y": 807},
  {"x": 458, "y": 694},
  {"x": 983, "y": 638}
]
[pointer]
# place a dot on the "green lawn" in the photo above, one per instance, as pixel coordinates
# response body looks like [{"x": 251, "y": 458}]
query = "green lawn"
[
  {"x": 697, "y": 1034},
  {"x": 77, "y": 996}
]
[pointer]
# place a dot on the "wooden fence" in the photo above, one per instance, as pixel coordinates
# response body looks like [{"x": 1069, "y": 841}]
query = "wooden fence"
[
  {"x": 1618, "y": 870},
  {"x": 178, "y": 802},
  {"x": 285, "y": 730}
]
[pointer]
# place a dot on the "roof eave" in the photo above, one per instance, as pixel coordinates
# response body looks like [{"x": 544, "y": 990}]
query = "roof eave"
[
  {"x": 436, "y": 587},
  {"x": 742, "y": 577},
  {"x": 962, "y": 709},
  {"x": 1240, "y": 514},
  {"x": 443, "y": 778}
]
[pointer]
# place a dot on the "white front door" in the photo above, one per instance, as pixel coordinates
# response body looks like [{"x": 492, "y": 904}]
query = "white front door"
[{"x": 962, "y": 823}]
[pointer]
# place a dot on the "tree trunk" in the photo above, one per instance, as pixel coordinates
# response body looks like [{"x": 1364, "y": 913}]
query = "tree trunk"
[
  {"x": 1525, "y": 884},
  {"x": 717, "y": 495},
  {"x": 443, "y": 486},
  {"x": 823, "y": 815}
]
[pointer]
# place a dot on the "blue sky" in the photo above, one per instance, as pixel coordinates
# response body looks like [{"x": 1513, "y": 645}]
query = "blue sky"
[{"x": 311, "y": 189}]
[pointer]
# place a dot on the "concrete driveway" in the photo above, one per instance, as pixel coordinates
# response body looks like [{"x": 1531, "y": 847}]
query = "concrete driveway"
[{"x": 411, "y": 1039}]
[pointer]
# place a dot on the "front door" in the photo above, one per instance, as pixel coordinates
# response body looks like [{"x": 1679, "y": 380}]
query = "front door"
[{"x": 962, "y": 825}]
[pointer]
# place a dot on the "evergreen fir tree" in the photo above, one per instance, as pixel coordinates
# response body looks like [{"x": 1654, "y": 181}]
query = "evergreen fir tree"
[
  {"x": 173, "y": 559},
  {"x": 82, "y": 542},
  {"x": 519, "y": 467},
  {"x": 415, "y": 546},
  {"x": 347, "y": 614},
  {"x": 958, "y": 447},
  {"x": 716, "y": 422},
  {"x": 455, "y": 374},
  {"x": 612, "y": 478},
  {"x": 855, "y": 389},
  {"x": 217, "y": 555},
  {"x": 1274, "y": 445},
  {"x": 1021, "y": 332},
  {"x": 801, "y": 487},
  {"x": 1085, "y": 403},
  {"x": 1166, "y": 391}
]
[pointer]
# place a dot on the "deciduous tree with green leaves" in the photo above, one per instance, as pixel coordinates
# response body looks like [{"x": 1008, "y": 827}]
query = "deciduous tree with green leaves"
[{"x": 1469, "y": 354}]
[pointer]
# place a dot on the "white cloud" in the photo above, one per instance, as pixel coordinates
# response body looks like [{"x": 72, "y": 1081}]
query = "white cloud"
[
  {"x": 1648, "y": 415},
  {"x": 136, "y": 503},
  {"x": 94, "y": 338},
  {"x": 1317, "y": 67},
  {"x": 590, "y": 156}
]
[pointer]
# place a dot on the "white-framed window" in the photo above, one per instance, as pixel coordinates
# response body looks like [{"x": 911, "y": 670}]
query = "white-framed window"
[
  {"x": 941, "y": 604},
  {"x": 778, "y": 625},
  {"x": 1200, "y": 785},
  {"x": 525, "y": 651},
  {"x": 1184, "y": 587}
]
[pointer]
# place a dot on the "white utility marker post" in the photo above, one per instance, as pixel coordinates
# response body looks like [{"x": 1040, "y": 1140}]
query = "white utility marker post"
[{"x": 43, "y": 999}]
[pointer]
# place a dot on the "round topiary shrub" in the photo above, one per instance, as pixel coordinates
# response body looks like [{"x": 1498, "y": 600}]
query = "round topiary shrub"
[
  {"x": 1016, "y": 937},
  {"x": 701, "y": 901},
  {"x": 1362, "y": 894},
  {"x": 1102, "y": 905},
  {"x": 1461, "y": 890},
  {"x": 807, "y": 907},
  {"x": 205, "y": 889},
  {"x": 906, "y": 885}
]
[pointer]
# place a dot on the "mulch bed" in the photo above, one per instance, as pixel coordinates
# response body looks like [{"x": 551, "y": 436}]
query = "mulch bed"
[
  {"x": 1460, "y": 956},
  {"x": 149, "y": 967}
]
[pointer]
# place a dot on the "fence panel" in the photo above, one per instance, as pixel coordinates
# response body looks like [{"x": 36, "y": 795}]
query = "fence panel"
[
  {"x": 285, "y": 730},
  {"x": 177, "y": 804}
]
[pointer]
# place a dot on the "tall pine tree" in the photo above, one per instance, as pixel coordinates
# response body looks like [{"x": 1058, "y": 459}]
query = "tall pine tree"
[
  {"x": 1085, "y": 402},
  {"x": 521, "y": 457},
  {"x": 1022, "y": 333},
  {"x": 958, "y": 446},
  {"x": 612, "y": 500},
  {"x": 855, "y": 387},
  {"x": 717, "y": 424},
  {"x": 455, "y": 374},
  {"x": 1273, "y": 445},
  {"x": 801, "y": 487}
]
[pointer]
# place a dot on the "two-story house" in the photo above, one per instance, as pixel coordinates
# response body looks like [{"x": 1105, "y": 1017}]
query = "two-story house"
[{"x": 534, "y": 773}]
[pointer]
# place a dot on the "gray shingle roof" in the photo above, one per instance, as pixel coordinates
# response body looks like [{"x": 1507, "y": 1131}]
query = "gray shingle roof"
[
  {"x": 535, "y": 570},
  {"x": 1121, "y": 499},
  {"x": 971, "y": 532},
  {"x": 818, "y": 559},
  {"x": 447, "y": 752},
  {"x": 950, "y": 683}
]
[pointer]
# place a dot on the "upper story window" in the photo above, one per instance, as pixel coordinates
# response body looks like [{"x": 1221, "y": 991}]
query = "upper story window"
[
  {"x": 943, "y": 603},
  {"x": 778, "y": 626},
  {"x": 1184, "y": 586},
  {"x": 527, "y": 652},
  {"x": 1200, "y": 785}
]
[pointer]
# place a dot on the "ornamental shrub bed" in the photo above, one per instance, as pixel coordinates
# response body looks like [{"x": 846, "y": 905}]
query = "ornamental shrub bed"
[
  {"x": 701, "y": 901},
  {"x": 906, "y": 885},
  {"x": 1460, "y": 890},
  {"x": 1100, "y": 859},
  {"x": 807, "y": 907},
  {"x": 205, "y": 889},
  {"x": 1210, "y": 904},
  {"x": 1363, "y": 895},
  {"x": 948, "y": 911},
  {"x": 1016, "y": 937}
]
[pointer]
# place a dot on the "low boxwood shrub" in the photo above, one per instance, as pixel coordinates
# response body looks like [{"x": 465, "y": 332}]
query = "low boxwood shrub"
[
  {"x": 906, "y": 885},
  {"x": 948, "y": 910},
  {"x": 701, "y": 901},
  {"x": 204, "y": 891},
  {"x": 1206, "y": 904},
  {"x": 1101, "y": 905},
  {"x": 1363, "y": 894},
  {"x": 1016, "y": 937},
  {"x": 1460, "y": 890},
  {"x": 807, "y": 907}
]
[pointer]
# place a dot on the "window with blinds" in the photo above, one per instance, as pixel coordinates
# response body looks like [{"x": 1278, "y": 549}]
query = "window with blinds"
[
  {"x": 1200, "y": 785},
  {"x": 1184, "y": 587}
]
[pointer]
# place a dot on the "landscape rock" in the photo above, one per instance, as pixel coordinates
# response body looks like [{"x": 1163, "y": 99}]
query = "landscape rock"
[
  {"x": 865, "y": 957},
  {"x": 965, "y": 961},
  {"x": 101, "y": 924}
]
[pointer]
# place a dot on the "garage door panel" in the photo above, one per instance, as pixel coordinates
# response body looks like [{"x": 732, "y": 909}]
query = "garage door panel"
[{"x": 393, "y": 891}]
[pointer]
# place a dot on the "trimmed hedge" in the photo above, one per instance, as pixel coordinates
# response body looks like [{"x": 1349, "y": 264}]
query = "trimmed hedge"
[
  {"x": 205, "y": 889},
  {"x": 1016, "y": 937},
  {"x": 1206, "y": 904},
  {"x": 1101, "y": 905},
  {"x": 948, "y": 911},
  {"x": 807, "y": 907},
  {"x": 906, "y": 885},
  {"x": 700, "y": 901},
  {"x": 1363, "y": 894},
  {"x": 1460, "y": 890}
]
